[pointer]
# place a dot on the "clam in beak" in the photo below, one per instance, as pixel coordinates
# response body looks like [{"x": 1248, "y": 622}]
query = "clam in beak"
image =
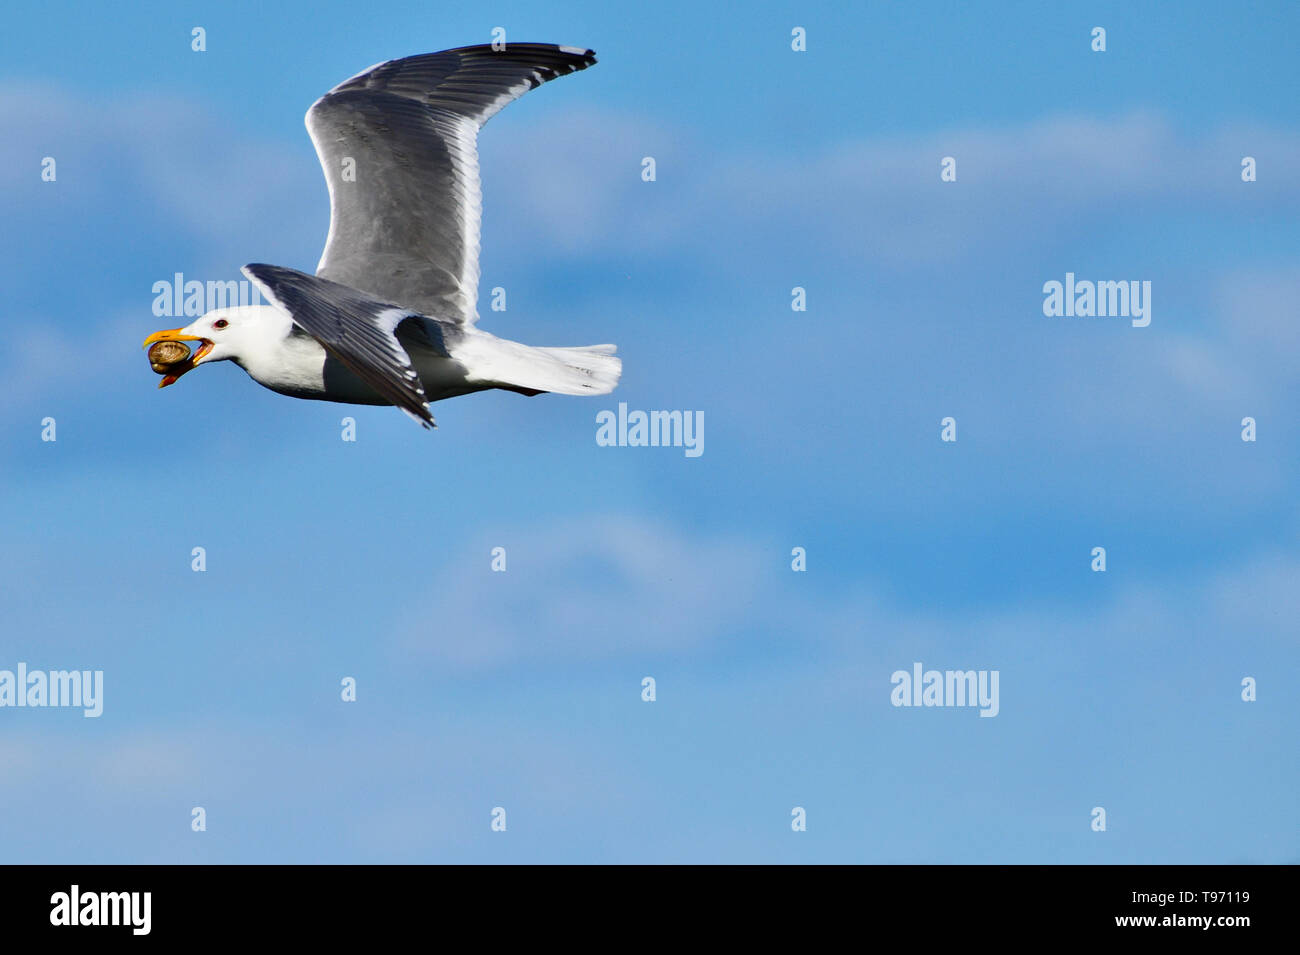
[{"x": 172, "y": 371}]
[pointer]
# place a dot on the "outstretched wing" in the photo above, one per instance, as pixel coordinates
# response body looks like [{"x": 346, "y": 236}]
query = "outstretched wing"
[
  {"x": 398, "y": 144},
  {"x": 356, "y": 329}
]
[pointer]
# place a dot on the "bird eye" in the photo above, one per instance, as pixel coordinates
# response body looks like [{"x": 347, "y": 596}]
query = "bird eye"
[{"x": 220, "y": 323}]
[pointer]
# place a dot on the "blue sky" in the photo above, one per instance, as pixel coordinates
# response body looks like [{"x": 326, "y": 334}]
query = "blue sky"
[{"x": 522, "y": 689}]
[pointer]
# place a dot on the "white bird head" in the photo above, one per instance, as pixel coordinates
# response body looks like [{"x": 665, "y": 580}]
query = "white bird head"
[{"x": 225, "y": 334}]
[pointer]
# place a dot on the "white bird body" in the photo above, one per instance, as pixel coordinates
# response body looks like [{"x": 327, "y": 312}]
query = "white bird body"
[
  {"x": 389, "y": 318},
  {"x": 265, "y": 342}
]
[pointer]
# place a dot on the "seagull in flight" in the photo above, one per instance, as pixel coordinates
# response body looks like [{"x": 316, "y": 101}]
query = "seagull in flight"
[{"x": 389, "y": 317}]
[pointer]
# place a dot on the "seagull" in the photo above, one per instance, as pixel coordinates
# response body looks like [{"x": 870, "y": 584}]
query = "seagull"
[{"x": 389, "y": 317}]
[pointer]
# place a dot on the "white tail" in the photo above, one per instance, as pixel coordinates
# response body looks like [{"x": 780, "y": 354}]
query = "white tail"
[{"x": 589, "y": 370}]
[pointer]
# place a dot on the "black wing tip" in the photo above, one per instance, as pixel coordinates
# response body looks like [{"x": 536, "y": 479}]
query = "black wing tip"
[
  {"x": 421, "y": 414},
  {"x": 547, "y": 60},
  {"x": 570, "y": 58}
]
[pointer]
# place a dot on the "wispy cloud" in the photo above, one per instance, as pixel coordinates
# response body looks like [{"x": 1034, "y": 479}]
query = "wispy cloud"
[
  {"x": 645, "y": 591},
  {"x": 597, "y": 588}
]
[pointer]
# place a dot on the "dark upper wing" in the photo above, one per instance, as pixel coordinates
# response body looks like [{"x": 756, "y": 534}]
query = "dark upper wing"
[
  {"x": 356, "y": 329},
  {"x": 398, "y": 144}
]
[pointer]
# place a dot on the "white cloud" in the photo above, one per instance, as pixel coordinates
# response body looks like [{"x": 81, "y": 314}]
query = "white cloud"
[
  {"x": 152, "y": 154},
  {"x": 646, "y": 591},
  {"x": 159, "y": 763},
  {"x": 874, "y": 200},
  {"x": 570, "y": 180},
  {"x": 597, "y": 588}
]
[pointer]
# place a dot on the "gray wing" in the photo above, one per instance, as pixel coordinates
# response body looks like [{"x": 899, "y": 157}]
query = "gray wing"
[
  {"x": 398, "y": 144},
  {"x": 356, "y": 329}
]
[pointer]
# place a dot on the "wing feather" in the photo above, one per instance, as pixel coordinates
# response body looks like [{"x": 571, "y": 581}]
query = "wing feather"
[{"x": 398, "y": 145}]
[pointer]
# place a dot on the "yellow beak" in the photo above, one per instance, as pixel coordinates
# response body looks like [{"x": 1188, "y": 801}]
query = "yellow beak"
[{"x": 178, "y": 335}]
